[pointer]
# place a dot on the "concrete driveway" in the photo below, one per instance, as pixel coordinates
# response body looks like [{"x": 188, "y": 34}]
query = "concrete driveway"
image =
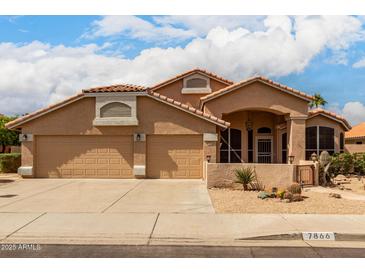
[{"x": 105, "y": 196}]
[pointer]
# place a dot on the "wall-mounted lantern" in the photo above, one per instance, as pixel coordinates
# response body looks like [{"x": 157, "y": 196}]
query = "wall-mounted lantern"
[
  {"x": 208, "y": 157},
  {"x": 291, "y": 159}
]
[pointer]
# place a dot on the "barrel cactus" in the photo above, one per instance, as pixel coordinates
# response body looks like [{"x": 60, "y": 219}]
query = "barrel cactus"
[{"x": 295, "y": 188}]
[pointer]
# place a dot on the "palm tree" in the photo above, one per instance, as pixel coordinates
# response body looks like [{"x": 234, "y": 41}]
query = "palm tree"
[{"x": 317, "y": 101}]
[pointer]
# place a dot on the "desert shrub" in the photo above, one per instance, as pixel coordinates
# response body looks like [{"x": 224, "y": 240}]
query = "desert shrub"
[
  {"x": 256, "y": 186},
  {"x": 245, "y": 176},
  {"x": 9, "y": 162},
  {"x": 288, "y": 196},
  {"x": 359, "y": 163},
  {"x": 295, "y": 188},
  {"x": 297, "y": 198},
  {"x": 280, "y": 194},
  {"x": 348, "y": 163}
]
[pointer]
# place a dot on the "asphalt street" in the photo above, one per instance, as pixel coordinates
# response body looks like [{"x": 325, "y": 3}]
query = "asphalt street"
[{"x": 148, "y": 251}]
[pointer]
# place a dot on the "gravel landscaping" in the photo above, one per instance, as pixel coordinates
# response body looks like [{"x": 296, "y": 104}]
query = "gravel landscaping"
[{"x": 228, "y": 200}]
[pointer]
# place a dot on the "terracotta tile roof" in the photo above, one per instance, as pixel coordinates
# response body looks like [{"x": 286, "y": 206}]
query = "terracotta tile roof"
[
  {"x": 41, "y": 111},
  {"x": 317, "y": 111},
  {"x": 189, "y": 109},
  {"x": 253, "y": 79},
  {"x": 116, "y": 88},
  {"x": 187, "y": 73},
  {"x": 357, "y": 131}
]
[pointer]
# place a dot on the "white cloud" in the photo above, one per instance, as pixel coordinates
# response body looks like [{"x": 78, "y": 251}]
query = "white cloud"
[
  {"x": 359, "y": 64},
  {"x": 202, "y": 24},
  {"x": 354, "y": 112},
  {"x": 33, "y": 75},
  {"x": 137, "y": 28}
]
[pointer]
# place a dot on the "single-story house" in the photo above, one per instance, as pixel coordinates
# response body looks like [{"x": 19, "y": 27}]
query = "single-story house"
[
  {"x": 355, "y": 139},
  {"x": 171, "y": 129}
]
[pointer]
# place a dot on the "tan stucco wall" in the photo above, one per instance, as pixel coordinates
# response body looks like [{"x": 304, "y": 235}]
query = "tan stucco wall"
[
  {"x": 154, "y": 118},
  {"x": 260, "y": 97},
  {"x": 77, "y": 119},
  {"x": 270, "y": 175},
  {"x": 354, "y": 148},
  {"x": 173, "y": 90},
  {"x": 326, "y": 122}
]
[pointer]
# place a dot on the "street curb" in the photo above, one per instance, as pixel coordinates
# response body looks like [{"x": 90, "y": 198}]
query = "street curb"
[{"x": 298, "y": 236}]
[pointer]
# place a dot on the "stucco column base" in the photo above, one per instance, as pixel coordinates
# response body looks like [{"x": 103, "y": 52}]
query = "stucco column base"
[{"x": 139, "y": 159}]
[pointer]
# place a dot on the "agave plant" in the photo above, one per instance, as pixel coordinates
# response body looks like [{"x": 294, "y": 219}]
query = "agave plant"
[{"x": 245, "y": 176}]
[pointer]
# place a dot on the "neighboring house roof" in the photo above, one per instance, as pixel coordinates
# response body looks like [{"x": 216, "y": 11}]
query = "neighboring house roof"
[
  {"x": 190, "y": 72},
  {"x": 115, "y": 88},
  {"x": 248, "y": 81},
  {"x": 111, "y": 89},
  {"x": 319, "y": 111},
  {"x": 357, "y": 131}
]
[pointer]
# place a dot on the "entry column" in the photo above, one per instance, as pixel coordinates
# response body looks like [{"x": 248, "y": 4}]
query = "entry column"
[
  {"x": 139, "y": 155},
  {"x": 296, "y": 138}
]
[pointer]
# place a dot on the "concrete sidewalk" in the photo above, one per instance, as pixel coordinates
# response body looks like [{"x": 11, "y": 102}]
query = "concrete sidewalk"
[{"x": 175, "y": 229}]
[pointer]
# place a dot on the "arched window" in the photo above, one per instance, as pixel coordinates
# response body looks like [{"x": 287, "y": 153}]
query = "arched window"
[
  {"x": 196, "y": 83},
  {"x": 264, "y": 130},
  {"x": 115, "y": 110}
]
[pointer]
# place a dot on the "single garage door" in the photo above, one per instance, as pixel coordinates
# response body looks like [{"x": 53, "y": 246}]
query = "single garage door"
[
  {"x": 84, "y": 156},
  {"x": 175, "y": 156}
]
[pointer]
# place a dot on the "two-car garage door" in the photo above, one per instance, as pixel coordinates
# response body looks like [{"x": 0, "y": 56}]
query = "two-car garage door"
[
  {"x": 168, "y": 156},
  {"x": 84, "y": 156}
]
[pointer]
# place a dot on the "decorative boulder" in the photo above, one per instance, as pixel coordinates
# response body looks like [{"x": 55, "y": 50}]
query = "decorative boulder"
[
  {"x": 264, "y": 195},
  {"x": 335, "y": 195}
]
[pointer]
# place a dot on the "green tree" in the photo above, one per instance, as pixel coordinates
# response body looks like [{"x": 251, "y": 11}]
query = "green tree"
[
  {"x": 7, "y": 137},
  {"x": 317, "y": 101}
]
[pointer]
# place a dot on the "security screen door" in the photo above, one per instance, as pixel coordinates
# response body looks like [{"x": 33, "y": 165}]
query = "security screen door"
[{"x": 264, "y": 149}]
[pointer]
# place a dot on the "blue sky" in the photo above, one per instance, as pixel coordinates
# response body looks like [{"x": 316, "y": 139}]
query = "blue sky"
[{"x": 44, "y": 59}]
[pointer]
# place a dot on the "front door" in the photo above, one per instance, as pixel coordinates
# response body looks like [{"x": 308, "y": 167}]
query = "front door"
[{"x": 264, "y": 149}]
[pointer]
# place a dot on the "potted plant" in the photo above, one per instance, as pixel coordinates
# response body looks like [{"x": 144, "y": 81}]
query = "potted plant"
[{"x": 245, "y": 176}]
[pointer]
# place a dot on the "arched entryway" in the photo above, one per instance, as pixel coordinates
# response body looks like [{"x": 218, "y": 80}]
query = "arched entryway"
[
  {"x": 230, "y": 146},
  {"x": 254, "y": 137}
]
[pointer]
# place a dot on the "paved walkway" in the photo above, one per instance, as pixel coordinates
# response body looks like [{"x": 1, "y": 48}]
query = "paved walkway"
[{"x": 171, "y": 228}]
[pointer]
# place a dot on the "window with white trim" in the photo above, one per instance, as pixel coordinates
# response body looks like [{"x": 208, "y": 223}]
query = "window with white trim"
[
  {"x": 196, "y": 84},
  {"x": 115, "y": 109}
]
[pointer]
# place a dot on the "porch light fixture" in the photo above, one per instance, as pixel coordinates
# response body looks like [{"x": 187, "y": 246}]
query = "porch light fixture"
[
  {"x": 208, "y": 157},
  {"x": 314, "y": 157},
  {"x": 291, "y": 159},
  {"x": 248, "y": 125},
  {"x": 138, "y": 137}
]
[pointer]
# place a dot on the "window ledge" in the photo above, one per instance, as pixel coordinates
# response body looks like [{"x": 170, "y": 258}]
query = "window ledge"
[
  {"x": 196, "y": 90},
  {"x": 125, "y": 121}
]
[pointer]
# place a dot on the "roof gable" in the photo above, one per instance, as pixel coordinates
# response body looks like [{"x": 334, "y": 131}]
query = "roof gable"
[
  {"x": 331, "y": 115},
  {"x": 260, "y": 79},
  {"x": 191, "y": 72},
  {"x": 112, "y": 89}
]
